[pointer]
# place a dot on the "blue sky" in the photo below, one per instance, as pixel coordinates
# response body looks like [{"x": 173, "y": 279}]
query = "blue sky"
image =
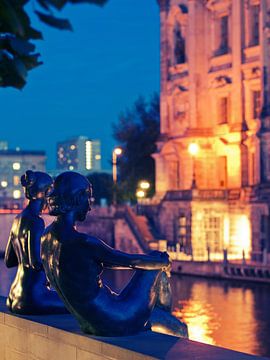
[{"x": 88, "y": 77}]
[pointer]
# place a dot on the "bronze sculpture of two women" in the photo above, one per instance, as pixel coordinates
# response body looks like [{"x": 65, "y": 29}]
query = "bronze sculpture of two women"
[{"x": 74, "y": 262}]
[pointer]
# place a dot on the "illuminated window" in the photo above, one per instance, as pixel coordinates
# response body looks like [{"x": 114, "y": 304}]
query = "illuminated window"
[
  {"x": 16, "y": 194},
  {"x": 182, "y": 231},
  {"x": 255, "y": 25},
  {"x": 16, "y": 166},
  {"x": 98, "y": 157},
  {"x": 16, "y": 180},
  {"x": 88, "y": 155},
  {"x": 4, "y": 183},
  {"x": 256, "y": 102},
  {"x": 223, "y": 110},
  {"x": 72, "y": 147}
]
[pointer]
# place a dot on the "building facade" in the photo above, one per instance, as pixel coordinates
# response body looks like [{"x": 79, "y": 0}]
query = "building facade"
[
  {"x": 213, "y": 157},
  {"x": 14, "y": 163},
  {"x": 79, "y": 154}
]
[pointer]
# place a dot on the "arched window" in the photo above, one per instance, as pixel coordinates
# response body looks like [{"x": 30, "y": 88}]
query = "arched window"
[{"x": 179, "y": 45}]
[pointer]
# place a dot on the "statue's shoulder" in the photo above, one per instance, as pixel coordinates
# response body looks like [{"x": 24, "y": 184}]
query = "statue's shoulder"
[{"x": 88, "y": 239}]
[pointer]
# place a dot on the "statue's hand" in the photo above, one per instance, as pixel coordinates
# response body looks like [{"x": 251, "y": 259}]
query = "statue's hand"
[{"x": 163, "y": 256}]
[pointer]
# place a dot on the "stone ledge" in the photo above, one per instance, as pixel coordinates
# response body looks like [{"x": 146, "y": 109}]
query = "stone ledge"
[{"x": 59, "y": 337}]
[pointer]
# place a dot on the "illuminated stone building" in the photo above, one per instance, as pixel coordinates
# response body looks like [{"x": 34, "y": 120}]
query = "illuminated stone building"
[{"x": 215, "y": 93}]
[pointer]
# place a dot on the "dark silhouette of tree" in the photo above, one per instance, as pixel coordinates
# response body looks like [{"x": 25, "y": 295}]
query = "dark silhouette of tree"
[
  {"x": 17, "y": 51},
  {"x": 102, "y": 187},
  {"x": 137, "y": 132}
]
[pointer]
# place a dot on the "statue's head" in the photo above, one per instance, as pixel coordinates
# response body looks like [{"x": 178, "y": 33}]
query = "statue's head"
[
  {"x": 36, "y": 184},
  {"x": 72, "y": 192}
]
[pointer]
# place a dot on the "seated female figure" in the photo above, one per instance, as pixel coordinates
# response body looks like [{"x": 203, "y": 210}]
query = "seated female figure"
[
  {"x": 29, "y": 293},
  {"x": 74, "y": 262}
]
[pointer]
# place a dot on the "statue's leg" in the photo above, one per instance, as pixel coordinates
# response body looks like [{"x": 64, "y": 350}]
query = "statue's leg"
[
  {"x": 143, "y": 288},
  {"x": 161, "y": 318},
  {"x": 164, "y": 299}
]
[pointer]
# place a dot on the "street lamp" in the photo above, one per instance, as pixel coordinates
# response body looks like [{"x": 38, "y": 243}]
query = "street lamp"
[
  {"x": 140, "y": 194},
  {"x": 193, "y": 149},
  {"x": 144, "y": 185},
  {"x": 116, "y": 152}
]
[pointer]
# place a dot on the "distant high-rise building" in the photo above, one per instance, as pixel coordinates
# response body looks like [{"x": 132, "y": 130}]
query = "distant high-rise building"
[
  {"x": 14, "y": 163},
  {"x": 79, "y": 154}
]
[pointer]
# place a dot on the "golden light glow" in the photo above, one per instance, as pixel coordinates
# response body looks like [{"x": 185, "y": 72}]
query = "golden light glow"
[
  {"x": 16, "y": 180},
  {"x": 140, "y": 194},
  {"x": 4, "y": 183},
  {"x": 226, "y": 241},
  {"x": 16, "y": 194},
  {"x": 193, "y": 149},
  {"x": 145, "y": 185},
  {"x": 200, "y": 319},
  {"x": 72, "y": 147},
  {"x": 118, "y": 151}
]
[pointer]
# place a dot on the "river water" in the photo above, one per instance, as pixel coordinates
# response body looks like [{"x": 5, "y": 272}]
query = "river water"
[{"x": 224, "y": 313}]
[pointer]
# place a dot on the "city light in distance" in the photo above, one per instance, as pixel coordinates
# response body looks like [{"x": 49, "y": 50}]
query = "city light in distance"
[
  {"x": 16, "y": 166},
  {"x": 4, "y": 183},
  {"x": 16, "y": 194}
]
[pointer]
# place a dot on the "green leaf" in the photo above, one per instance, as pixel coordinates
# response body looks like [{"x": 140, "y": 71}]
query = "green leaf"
[{"x": 62, "y": 24}]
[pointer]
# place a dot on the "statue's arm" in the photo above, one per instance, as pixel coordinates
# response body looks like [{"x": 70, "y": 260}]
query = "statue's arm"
[
  {"x": 34, "y": 237},
  {"x": 112, "y": 258},
  {"x": 11, "y": 259}
]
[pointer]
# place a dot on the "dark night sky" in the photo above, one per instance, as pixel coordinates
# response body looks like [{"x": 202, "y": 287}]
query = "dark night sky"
[{"x": 89, "y": 76}]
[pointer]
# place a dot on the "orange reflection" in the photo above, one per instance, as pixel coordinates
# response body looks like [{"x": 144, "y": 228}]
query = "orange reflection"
[{"x": 200, "y": 318}]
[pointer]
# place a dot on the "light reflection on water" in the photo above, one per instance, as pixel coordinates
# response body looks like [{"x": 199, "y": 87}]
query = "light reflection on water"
[
  {"x": 201, "y": 320},
  {"x": 224, "y": 313}
]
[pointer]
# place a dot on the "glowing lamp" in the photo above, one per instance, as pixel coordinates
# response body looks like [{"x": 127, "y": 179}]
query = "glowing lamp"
[
  {"x": 140, "y": 194},
  {"x": 193, "y": 149},
  {"x": 117, "y": 151},
  {"x": 145, "y": 185}
]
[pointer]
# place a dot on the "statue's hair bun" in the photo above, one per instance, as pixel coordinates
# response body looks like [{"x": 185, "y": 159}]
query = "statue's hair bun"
[{"x": 28, "y": 179}]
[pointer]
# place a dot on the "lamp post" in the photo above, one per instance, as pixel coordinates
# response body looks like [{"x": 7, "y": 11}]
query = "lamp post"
[
  {"x": 193, "y": 149},
  {"x": 116, "y": 152},
  {"x": 140, "y": 194}
]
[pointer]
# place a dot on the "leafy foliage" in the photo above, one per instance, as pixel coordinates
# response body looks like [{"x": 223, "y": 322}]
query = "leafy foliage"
[
  {"x": 17, "y": 52},
  {"x": 137, "y": 132},
  {"x": 102, "y": 187}
]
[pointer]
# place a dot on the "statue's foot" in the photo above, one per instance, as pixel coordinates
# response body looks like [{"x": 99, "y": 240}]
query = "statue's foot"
[{"x": 165, "y": 323}]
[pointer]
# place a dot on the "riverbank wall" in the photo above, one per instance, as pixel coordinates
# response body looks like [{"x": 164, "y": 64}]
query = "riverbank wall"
[
  {"x": 59, "y": 337},
  {"x": 223, "y": 270}
]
